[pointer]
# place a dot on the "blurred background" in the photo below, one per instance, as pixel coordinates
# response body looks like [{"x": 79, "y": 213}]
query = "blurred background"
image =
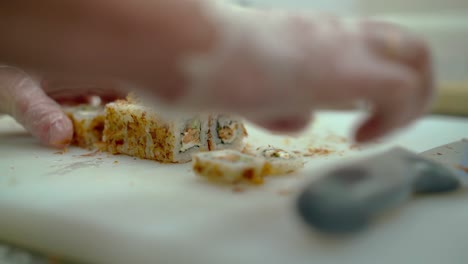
[
  {"x": 365, "y": 7},
  {"x": 444, "y": 23}
]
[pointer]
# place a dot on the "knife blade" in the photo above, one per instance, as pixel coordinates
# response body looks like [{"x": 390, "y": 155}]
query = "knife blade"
[{"x": 347, "y": 198}]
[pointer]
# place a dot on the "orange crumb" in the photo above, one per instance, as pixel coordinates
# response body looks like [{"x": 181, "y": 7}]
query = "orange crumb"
[
  {"x": 100, "y": 145},
  {"x": 63, "y": 151},
  {"x": 336, "y": 138},
  {"x": 319, "y": 152},
  {"x": 238, "y": 189},
  {"x": 248, "y": 149},
  {"x": 249, "y": 175},
  {"x": 91, "y": 154}
]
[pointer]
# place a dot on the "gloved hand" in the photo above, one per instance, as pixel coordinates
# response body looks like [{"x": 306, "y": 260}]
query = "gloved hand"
[{"x": 35, "y": 103}]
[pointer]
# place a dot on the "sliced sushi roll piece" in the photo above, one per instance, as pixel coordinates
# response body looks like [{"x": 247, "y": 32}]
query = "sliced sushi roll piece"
[
  {"x": 280, "y": 161},
  {"x": 226, "y": 132},
  {"x": 138, "y": 131},
  {"x": 192, "y": 137},
  {"x": 88, "y": 124},
  {"x": 229, "y": 166}
]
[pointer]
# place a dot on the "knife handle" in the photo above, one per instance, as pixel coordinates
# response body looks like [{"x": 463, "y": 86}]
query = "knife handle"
[
  {"x": 347, "y": 198},
  {"x": 431, "y": 177}
]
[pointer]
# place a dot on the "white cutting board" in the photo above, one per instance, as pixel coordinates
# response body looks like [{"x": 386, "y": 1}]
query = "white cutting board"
[{"x": 114, "y": 209}]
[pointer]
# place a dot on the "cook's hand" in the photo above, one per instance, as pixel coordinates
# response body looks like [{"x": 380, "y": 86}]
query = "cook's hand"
[
  {"x": 276, "y": 68},
  {"x": 35, "y": 104}
]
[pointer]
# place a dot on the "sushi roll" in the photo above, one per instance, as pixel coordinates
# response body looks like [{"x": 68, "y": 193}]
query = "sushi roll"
[
  {"x": 226, "y": 132},
  {"x": 192, "y": 136},
  {"x": 138, "y": 131},
  {"x": 88, "y": 124},
  {"x": 229, "y": 166},
  {"x": 280, "y": 161}
]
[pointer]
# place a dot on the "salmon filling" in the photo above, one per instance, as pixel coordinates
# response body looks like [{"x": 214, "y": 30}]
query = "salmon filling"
[{"x": 227, "y": 133}]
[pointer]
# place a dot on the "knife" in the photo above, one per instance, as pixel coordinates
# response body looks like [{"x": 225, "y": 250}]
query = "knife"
[{"x": 347, "y": 198}]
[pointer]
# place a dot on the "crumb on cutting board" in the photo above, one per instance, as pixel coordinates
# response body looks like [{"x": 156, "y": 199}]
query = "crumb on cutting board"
[
  {"x": 312, "y": 152},
  {"x": 91, "y": 154},
  {"x": 116, "y": 162},
  {"x": 334, "y": 138},
  {"x": 238, "y": 189},
  {"x": 318, "y": 151},
  {"x": 63, "y": 151}
]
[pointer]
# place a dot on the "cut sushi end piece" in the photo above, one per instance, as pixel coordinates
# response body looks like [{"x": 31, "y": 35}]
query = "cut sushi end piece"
[
  {"x": 279, "y": 161},
  {"x": 229, "y": 166},
  {"x": 137, "y": 131},
  {"x": 88, "y": 125},
  {"x": 226, "y": 132}
]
